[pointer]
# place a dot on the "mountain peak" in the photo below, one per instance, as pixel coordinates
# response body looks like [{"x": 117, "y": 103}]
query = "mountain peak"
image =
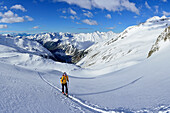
[{"x": 156, "y": 18}]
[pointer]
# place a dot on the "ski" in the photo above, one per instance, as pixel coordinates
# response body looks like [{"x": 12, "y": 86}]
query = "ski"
[{"x": 66, "y": 95}]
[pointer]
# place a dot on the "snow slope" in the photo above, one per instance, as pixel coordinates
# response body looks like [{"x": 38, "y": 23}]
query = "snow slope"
[
  {"x": 128, "y": 48},
  {"x": 143, "y": 87},
  {"x": 31, "y": 83}
]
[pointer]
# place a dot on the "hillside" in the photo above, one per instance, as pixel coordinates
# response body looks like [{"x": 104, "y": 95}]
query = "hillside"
[{"x": 129, "y": 48}]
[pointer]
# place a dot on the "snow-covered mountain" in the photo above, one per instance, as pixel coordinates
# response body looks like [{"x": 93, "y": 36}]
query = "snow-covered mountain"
[
  {"x": 128, "y": 48},
  {"x": 21, "y": 45},
  {"x": 69, "y": 47},
  {"x": 31, "y": 83}
]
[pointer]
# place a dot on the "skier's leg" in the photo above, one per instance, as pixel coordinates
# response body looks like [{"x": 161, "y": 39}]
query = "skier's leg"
[
  {"x": 66, "y": 88},
  {"x": 63, "y": 88}
]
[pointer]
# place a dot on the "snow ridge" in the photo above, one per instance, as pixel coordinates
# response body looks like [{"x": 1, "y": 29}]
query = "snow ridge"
[{"x": 126, "y": 49}]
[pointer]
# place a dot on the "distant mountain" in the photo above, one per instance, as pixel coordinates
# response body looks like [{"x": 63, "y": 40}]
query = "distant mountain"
[
  {"x": 128, "y": 48},
  {"x": 18, "y": 34},
  {"x": 20, "y": 49},
  {"x": 69, "y": 47}
]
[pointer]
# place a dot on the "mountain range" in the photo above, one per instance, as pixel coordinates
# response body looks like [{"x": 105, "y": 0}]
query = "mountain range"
[{"x": 108, "y": 72}]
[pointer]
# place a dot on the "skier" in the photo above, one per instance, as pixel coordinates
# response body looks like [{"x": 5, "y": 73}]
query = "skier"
[{"x": 64, "y": 80}]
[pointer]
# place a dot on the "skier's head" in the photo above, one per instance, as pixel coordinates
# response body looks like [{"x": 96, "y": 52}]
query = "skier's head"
[{"x": 64, "y": 73}]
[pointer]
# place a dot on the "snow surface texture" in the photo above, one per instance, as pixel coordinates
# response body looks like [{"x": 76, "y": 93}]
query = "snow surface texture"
[{"x": 31, "y": 83}]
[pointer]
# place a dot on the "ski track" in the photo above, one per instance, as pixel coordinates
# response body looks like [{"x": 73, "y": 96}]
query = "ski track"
[
  {"x": 93, "y": 109},
  {"x": 82, "y": 104}
]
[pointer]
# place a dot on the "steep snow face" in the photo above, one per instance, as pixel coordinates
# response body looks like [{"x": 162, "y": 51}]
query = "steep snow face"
[
  {"x": 128, "y": 48},
  {"x": 162, "y": 41}
]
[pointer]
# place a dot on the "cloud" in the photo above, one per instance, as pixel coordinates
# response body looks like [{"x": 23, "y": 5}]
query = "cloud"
[
  {"x": 35, "y": 27},
  {"x": 83, "y": 28},
  {"x": 110, "y": 28},
  {"x": 9, "y": 14},
  {"x": 135, "y": 17},
  {"x": 108, "y": 16},
  {"x": 1, "y": 14},
  {"x": 3, "y": 26},
  {"x": 156, "y": 11},
  {"x": 20, "y": 7},
  {"x": 63, "y": 17},
  {"x": 166, "y": 13},
  {"x": 72, "y": 11},
  {"x": 3, "y": 8},
  {"x": 74, "y": 17},
  {"x": 12, "y": 20},
  {"x": 90, "y": 22},
  {"x": 88, "y": 14},
  {"x": 110, "y": 5},
  {"x": 10, "y": 17},
  {"x": 82, "y": 3},
  {"x": 78, "y": 23},
  {"x": 147, "y": 5},
  {"x": 63, "y": 11},
  {"x": 164, "y": 0},
  {"x": 29, "y": 18}
]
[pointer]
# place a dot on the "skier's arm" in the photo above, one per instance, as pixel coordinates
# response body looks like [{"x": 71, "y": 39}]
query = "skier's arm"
[
  {"x": 61, "y": 80},
  {"x": 67, "y": 79}
]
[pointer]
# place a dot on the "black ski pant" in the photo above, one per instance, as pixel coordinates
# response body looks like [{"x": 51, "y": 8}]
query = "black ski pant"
[{"x": 64, "y": 85}]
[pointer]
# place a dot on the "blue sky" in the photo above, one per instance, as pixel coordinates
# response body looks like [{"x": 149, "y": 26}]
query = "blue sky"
[{"x": 75, "y": 16}]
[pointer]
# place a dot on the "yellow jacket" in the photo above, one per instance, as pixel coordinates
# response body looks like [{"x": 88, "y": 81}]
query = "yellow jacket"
[{"x": 64, "y": 79}]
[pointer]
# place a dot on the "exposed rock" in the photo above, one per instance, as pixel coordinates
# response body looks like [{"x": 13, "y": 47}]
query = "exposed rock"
[{"x": 165, "y": 36}]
